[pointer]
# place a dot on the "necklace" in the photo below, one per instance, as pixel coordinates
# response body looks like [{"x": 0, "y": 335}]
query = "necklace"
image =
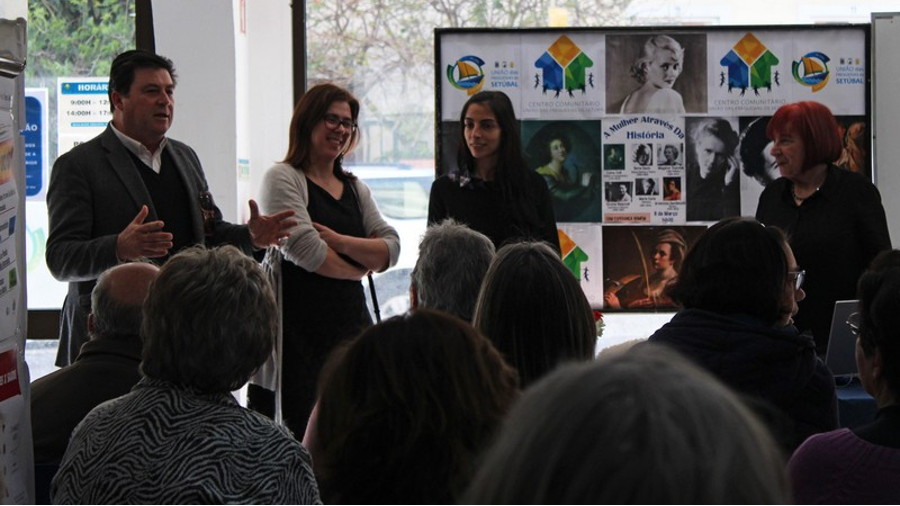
[{"x": 799, "y": 199}]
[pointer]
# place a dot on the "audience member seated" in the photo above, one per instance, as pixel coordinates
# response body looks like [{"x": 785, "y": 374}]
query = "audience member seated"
[
  {"x": 107, "y": 366},
  {"x": 739, "y": 289},
  {"x": 862, "y": 465},
  {"x": 452, "y": 262},
  {"x": 180, "y": 437},
  {"x": 643, "y": 426},
  {"x": 533, "y": 309},
  {"x": 405, "y": 409}
]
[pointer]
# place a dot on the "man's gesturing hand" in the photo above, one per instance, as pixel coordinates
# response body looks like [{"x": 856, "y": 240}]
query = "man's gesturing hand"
[
  {"x": 267, "y": 230},
  {"x": 143, "y": 240}
]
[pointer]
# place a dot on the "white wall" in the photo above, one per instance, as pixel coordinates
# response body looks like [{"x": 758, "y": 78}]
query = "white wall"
[
  {"x": 198, "y": 36},
  {"x": 234, "y": 93},
  {"x": 271, "y": 84},
  {"x": 886, "y": 115}
]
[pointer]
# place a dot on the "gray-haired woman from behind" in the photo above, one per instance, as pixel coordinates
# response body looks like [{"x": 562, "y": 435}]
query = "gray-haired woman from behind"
[{"x": 640, "y": 427}]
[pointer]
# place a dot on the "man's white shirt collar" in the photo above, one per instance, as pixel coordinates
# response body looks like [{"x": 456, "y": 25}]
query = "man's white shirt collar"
[{"x": 152, "y": 160}]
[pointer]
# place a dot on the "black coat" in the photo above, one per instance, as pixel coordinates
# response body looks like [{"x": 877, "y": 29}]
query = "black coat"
[{"x": 778, "y": 367}]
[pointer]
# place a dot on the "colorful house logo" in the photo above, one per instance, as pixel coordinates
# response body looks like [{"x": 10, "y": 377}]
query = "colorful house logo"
[
  {"x": 572, "y": 255},
  {"x": 749, "y": 66},
  {"x": 812, "y": 70},
  {"x": 564, "y": 67},
  {"x": 467, "y": 74}
]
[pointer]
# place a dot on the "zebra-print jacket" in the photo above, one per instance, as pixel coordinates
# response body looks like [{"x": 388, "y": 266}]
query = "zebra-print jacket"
[{"x": 162, "y": 444}]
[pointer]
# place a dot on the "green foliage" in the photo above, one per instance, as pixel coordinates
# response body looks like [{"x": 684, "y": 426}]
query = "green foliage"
[
  {"x": 74, "y": 38},
  {"x": 373, "y": 45},
  {"x": 77, "y": 37}
]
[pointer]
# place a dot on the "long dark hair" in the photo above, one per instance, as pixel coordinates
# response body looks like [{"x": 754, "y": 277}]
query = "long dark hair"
[
  {"x": 405, "y": 408},
  {"x": 310, "y": 109},
  {"x": 511, "y": 170},
  {"x": 534, "y": 311}
]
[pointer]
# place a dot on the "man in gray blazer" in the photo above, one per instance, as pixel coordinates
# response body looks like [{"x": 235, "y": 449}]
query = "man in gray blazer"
[{"x": 133, "y": 193}]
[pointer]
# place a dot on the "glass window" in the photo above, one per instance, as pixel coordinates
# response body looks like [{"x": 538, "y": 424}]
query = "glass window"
[
  {"x": 67, "y": 40},
  {"x": 402, "y": 198}
]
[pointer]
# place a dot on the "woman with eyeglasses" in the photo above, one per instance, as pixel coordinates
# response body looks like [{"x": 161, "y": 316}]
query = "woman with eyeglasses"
[
  {"x": 860, "y": 465},
  {"x": 492, "y": 190},
  {"x": 340, "y": 238},
  {"x": 738, "y": 290},
  {"x": 834, "y": 217}
]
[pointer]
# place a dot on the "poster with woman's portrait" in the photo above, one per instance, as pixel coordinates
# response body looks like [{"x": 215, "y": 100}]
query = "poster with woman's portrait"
[
  {"x": 640, "y": 192},
  {"x": 567, "y": 155},
  {"x": 642, "y": 154},
  {"x": 669, "y": 154},
  {"x": 712, "y": 169},
  {"x": 855, "y": 140},
  {"x": 613, "y": 156},
  {"x": 645, "y": 263},
  {"x": 656, "y": 73},
  {"x": 646, "y": 186},
  {"x": 758, "y": 167}
]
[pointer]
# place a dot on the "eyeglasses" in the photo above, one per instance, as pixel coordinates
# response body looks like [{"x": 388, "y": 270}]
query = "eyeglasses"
[
  {"x": 798, "y": 277},
  {"x": 332, "y": 121},
  {"x": 853, "y": 323}
]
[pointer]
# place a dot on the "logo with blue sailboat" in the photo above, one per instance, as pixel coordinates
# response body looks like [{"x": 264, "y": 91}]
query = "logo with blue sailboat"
[
  {"x": 467, "y": 74},
  {"x": 812, "y": 70}
]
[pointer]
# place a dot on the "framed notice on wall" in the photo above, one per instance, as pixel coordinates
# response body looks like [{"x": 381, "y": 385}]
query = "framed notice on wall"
[{"x": 663, "y": 128}]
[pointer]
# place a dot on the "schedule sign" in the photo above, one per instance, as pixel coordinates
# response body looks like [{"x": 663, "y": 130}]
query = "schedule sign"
[
  {"x": 83, "y": 110},
  {"x": 35, "y": 142}
]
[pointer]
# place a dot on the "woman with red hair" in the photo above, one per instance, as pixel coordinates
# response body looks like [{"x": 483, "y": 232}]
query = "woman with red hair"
[{"x": 833, "y": 217}]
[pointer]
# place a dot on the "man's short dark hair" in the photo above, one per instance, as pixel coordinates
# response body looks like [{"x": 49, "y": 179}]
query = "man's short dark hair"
[
  {"x": 210, "y": 320},
  {"x": 453, "y": 260},
  {"x": 121, "y": 74}
]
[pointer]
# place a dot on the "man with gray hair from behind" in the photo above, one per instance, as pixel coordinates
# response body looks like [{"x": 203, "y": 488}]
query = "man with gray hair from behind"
[
  {"x": 106, "y": 367},
  {"x": 453, "y": 260}
]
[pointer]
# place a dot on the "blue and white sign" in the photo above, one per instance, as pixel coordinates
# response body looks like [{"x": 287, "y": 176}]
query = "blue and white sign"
[
  {"x": 82, "y": 110},
  {"x": 36, "y": 145}
]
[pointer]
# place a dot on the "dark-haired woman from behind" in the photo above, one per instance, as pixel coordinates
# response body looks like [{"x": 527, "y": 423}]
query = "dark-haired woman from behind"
[
  {"x": 738, "y": 288},
  {"x": 405, "y": 409},
  {"x": 493, "y": 191},
  {"x": 534, "y": 311}
]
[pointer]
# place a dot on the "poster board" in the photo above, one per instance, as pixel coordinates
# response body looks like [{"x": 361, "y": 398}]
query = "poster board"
[
  {"x": 16, "y": 453},
  {"x": 663, "y": 129}
]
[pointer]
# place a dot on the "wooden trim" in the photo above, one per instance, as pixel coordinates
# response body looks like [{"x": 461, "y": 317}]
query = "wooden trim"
[
  {"x": 43, "y": 323},
  {"x": 143, "y": 26},
  {"x": 298, "y": 36}
]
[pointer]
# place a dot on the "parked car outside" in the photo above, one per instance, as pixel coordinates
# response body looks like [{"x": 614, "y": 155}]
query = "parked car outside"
[{"x": 401, "y": 193}]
